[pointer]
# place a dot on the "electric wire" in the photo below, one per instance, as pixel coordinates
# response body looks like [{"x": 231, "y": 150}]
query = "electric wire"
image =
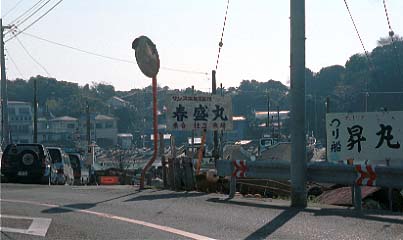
[
  {"x": 33, "y": 59},
  {"x": 220, "y": 44},
  {"x": 105, "y": 56},
  {"x": 391, "y": 35},
  {"x": 39, "y": 18},
  {"x": 15, "y": 65},
  {"x": 19, "y": 23},
  {"x": 24, "y": 13},
  {"x": 358, "y": 33},
  {"x": 12, "y": 9}
]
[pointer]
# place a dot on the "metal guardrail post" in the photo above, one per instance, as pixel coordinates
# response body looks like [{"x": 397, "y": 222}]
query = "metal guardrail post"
[
  {"x": 232, "y": 187},
  {"x": 357, "y": 198}
]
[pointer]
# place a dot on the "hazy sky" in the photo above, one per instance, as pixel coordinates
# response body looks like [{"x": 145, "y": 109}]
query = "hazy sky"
[{"x": 187, "y": 32}]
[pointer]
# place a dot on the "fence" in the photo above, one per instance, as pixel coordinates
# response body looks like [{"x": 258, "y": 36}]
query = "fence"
[{"x": 356, "y": 175}]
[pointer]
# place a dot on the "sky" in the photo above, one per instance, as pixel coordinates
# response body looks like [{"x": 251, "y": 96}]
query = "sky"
[{"x": 187, "y": 32}]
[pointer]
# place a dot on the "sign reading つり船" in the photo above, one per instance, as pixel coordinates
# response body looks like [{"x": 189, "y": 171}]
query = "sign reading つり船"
[
  {"x": 371, "y": 137},
  {"x": 201, "y": 111}
]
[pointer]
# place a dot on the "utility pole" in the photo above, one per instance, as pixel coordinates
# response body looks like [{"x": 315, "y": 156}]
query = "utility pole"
[
  {"x": 297, "y": 74},
  {"x": 268, "y": 111},
  {"x": 35, "y": 111},
  {"x": 193, "y": 131},
  {"x": 215, "y": 134},
  {"x": 278, "y": 124},
  {"x": 87, "y": 111},
  {"x": 5, "y": 138}
]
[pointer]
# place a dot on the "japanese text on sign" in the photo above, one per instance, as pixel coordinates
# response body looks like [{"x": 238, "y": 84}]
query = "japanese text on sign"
[
  {"x": 371, "y": 137},
  {"x": 192, "y": 112}
]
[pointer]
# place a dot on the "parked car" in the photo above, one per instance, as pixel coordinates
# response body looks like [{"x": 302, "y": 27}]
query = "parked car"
[
  {"x": 61, "y": 163},
  {"x": 26, "y": 162},
  {"x": 81, "y": 172}
]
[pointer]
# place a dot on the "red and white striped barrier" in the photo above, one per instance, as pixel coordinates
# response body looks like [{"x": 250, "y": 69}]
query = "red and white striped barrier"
[
  {"x": 240, "y": 168},
  {"x": 366, "y": 175}
]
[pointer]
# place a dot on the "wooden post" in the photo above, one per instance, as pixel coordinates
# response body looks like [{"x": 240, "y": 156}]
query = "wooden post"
[
  {"x": 171, "y": 173},
  {"x": 163, "y": 161},
  {"x": 200, "y": 154},
  {"x": 232, "y": 187},
  {"x": 390, "y": 190},
  {"x": 188, "y": 173}
]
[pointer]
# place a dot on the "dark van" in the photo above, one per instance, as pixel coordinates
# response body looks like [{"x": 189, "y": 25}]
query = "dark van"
[{"x": 26, "y": 162}]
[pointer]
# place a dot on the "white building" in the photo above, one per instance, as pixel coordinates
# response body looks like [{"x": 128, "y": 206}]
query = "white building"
[{"x": 20, "y": 118}]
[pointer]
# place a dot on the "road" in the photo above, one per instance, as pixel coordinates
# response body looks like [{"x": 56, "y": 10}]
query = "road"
[{"x": 122, "y": 212}]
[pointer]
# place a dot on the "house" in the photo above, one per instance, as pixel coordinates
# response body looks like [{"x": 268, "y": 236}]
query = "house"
[
  {"x": 57, "y": 130},
  {"x": 20, "y": 115}
]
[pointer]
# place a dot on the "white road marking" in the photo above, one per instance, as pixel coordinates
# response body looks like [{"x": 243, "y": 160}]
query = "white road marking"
[
  {"x": 115, "y": 217},
  {"x": 38, "y": 227}
]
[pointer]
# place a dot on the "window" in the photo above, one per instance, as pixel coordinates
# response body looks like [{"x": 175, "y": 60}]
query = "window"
[
  {"x": 11, "y": 111},
  {"x": 70, "y": 125},
  {"x": 109, "y": 125},
  {"x": 99, "y": 125},
  {"x": 24, "y": 110}
]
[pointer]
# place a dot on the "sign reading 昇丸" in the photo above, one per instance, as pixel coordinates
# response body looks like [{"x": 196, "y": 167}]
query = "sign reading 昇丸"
[
  {"x": 201, "y": 111},
  {"x": 371, "y": 137}
]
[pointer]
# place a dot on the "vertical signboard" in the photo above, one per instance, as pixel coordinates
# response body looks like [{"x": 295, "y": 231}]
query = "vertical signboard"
[
  {"x": 370, "y": 137},
  {"x": 201, "y": 111}
]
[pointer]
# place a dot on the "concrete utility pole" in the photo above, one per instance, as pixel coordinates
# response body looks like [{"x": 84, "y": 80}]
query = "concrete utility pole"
[
  {"x": 5, "y": 138},
  {"x": 298, "y": 147},
  {"x": 35, "y": 111},
  {"x": 278, "y": 125},
  {"x": 87, "y": 111},
  {"x": 193, "y": 131},
  {"x": 215, "y": 135},
  {"x": 268, "y": 111}
]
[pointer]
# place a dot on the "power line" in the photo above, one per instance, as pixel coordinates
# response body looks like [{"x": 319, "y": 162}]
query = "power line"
[
  {"x": 105, "y": 56},
  {"x": 33, "y": 59},
  {"x": 32, "y": 14},
  {"x": 220, "y": 44},
  {"x": 12, "y": 9},
  {"x": 358, "y": 33},
  {"x": 391, "y": 35},
  {"x": 24, "y": 13},
  {"x": 39, "y": 18},
  {"x": 15, "y": 65}
]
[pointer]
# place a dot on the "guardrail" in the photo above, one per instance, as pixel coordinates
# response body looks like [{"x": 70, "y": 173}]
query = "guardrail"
[{"x": 356, "y": 175}]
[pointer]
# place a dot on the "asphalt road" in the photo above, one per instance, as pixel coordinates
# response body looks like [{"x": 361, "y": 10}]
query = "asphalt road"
[{"x": 121, "y": 212}]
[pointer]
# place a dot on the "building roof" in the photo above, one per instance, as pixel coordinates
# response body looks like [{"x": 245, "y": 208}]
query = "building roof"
[
  {"x": 238, "y": 118},
  {"x": 263, "y": 114},
  {"x": 64, "y": 118},
  {"x": 125, "y": 135},
  {"x": 19, "y": 103},
  {"x": 104, "y": 117}
]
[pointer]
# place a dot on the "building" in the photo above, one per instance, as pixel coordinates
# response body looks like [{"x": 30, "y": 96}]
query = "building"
[
  {"x": 62, "y": 130},
  {"x": 105, "y": 131},
  {"x": 20, "y": 118},
  {"x": 125, "y": 140}
]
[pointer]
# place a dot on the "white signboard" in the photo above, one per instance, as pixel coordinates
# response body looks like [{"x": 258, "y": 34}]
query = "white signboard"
[
  {"x": 372, "y": 137},
  {"x": 196, "y": 112}
]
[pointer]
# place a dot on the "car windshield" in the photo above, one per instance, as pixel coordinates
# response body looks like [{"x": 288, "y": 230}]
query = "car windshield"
[{"x": 55, "y": 155}]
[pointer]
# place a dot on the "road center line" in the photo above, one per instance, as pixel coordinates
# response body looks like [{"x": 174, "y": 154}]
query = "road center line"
[{"x": 119, "y": 218}]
